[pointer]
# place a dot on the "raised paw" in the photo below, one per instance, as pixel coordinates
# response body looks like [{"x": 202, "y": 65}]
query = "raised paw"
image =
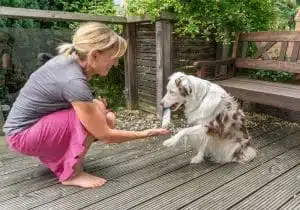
[
  {"x": 171, "y": 142},
  {"x": 197, "y": 159}
]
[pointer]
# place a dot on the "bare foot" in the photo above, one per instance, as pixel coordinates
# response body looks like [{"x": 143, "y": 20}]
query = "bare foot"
[{"x": 85, "y": 180}]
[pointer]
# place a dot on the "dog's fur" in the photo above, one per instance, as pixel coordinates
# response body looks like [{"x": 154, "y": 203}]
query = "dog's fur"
[{"x": 216, "y": 123}]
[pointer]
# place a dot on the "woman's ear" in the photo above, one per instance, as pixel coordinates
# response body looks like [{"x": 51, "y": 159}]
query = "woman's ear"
[
  {"x": 91, "y": 58},
  {"x": 94, "y": 55}
]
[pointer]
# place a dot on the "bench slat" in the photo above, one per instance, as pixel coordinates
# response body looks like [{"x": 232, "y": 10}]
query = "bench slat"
[
  {"x": 264, "y": 88},
  {"x": 279, "y": 36},
  {"x": 244, "y": 49},
  {"x": 264, "y": 49},
  {"x": 288, "y": 86},
  {"x": 263, "y": 93},
  {"x": 283, "y": 50},
  {"x": 274, "y": 65}
]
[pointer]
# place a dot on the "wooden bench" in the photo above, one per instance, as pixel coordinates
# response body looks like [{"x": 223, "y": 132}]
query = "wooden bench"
[{"x": 235, "y": 81}]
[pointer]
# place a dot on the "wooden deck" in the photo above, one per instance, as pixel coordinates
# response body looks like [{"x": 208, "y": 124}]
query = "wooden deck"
[{"x": 145, "y": 175}]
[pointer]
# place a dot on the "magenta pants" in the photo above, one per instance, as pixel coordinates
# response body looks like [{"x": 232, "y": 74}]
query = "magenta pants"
[{"x": 56, "y": 139}]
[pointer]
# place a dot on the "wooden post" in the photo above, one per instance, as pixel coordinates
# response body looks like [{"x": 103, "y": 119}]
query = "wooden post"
[
  {"x": 296, "y": 77},
  {"x": 163, "y": 30},
  {"x": 130, "y": 67},
  {"x": 222, "y": 54},
  {"x": 1, "y": 121}
]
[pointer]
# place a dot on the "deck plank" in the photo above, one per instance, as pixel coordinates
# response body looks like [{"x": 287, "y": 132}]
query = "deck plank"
[
  {"x": 99, "y": 156},
  {"x": 55, "y": 192},
  {"x": 227, "y": 195},
  {"x": 72, "y": 200},
  {"x": 143, "y": 173},
  {"x": 293, "y": 203},
  {"x": 282, "y": 189},
  {"x": 16, "y": 162},
  {"x": 155, "y": 188},
  {"x": 199, "y": 187},
  {"x": 112, "y": 166},
  {"x": 93, "y": 162}
]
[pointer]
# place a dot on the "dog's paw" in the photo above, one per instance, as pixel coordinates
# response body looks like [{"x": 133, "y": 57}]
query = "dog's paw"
[
  {"x": 171, "y": 142},
  {"x": 197, "y": 159}
]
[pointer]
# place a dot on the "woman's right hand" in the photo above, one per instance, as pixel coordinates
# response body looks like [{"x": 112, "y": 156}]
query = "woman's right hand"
[{"x": 157, "y": 132}]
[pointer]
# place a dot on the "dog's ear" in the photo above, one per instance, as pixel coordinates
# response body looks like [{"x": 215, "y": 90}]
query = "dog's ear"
[{"x": 183, "y": 86}]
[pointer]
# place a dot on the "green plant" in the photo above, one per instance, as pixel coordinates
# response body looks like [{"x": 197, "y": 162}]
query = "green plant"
[
  {"x": 285, "y": 20},
  {"x": 212, "y": 19},
  {"x": 270, "y": 75},
  {"x": 286, "y": 10},
  {"x": 111, "y": 87},
  {"x": 221, "y": 19}
]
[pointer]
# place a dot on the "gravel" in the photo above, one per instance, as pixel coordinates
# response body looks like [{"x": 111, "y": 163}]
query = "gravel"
[
  {"x": 137, "y": 120},
  {"x": 140, "y": 120}
]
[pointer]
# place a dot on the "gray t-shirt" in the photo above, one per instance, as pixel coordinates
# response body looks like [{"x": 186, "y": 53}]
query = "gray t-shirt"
[{"x": 51, "y": 88}]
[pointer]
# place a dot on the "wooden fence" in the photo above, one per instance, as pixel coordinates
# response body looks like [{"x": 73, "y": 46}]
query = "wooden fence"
[{"x": 154, "y": 52}]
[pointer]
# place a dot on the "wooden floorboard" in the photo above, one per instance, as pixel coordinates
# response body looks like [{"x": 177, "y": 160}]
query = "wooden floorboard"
[
  {"x": 293, "y": 203},
  {"x": 230, "y": 193},
  {"x": 157, "y": 187},
  {"x": 282, "y": 189},
  {"x": 145, "y": 175},
  {"x": 72, "y": 200},
  {"x": 115, "y": 172},
  {"x": 99, "y": 154},
  {"x": 198, "y": 188}
]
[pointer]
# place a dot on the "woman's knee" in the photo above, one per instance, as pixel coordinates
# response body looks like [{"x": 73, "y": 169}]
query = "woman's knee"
[
  {"x": 111, "y": 119},
  {"x": 100, "y": 104},
  {"x": 110, "y": 116}
]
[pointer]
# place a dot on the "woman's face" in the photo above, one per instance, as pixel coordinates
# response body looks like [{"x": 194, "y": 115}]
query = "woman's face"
[{"x": 101, "y": 62}]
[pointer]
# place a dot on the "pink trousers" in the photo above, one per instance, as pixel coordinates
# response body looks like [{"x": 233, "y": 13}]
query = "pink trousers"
[{"x": 56, "y": 139}]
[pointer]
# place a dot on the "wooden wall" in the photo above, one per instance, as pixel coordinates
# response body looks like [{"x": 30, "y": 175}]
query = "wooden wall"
[
  {"x": 146, "y": 66},
  {"x": 185, "y": 51}
]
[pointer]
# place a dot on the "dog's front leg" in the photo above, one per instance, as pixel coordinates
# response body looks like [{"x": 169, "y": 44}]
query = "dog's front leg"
[
  {"x": 202, "y": 146},
  {"x": 183, "y": 135},
  {"x": 174, "y": 140}
]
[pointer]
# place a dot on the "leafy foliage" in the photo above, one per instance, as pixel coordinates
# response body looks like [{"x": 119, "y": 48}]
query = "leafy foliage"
[
  {"x": 221, "y": 19},
  {"x": 286, "y": 11},
  {"x": 213, "y": 19},
  {"x": 270, "y": 75},
  {"x": 110, "y": 87}
]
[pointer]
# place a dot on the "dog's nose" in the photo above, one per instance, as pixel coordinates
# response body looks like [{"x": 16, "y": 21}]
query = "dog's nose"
[{"x": 161, "y": 103}]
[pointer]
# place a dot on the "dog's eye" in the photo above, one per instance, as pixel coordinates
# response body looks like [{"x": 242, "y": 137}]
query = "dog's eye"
[{"x": 171, "y": 92}]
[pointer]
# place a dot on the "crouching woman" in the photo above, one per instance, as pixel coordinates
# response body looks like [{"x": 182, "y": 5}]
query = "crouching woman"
[{"x": 55, "y": 117}]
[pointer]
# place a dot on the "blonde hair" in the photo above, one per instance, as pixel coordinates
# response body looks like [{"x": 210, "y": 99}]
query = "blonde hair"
[{"x": 93, "y": 36}]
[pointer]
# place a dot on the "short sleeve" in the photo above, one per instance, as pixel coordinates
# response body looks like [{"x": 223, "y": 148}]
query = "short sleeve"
[{"x": 77, "y": 90}]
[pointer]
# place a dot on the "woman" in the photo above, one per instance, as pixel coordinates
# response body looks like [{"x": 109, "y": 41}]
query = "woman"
[{"x": 55, "y": 117}]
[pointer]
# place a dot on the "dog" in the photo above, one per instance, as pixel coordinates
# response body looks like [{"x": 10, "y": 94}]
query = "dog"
[{"x": 216, "y": 124}]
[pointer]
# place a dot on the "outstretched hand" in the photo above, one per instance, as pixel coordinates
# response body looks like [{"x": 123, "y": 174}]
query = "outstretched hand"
[{"x": 157, "y": 132}]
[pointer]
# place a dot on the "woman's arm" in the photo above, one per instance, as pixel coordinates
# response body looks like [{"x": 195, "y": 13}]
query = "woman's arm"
[{"x": 94, "y": 120}]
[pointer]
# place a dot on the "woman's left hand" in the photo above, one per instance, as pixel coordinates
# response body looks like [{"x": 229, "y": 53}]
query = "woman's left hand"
[{"x": 103, "y": 100}]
